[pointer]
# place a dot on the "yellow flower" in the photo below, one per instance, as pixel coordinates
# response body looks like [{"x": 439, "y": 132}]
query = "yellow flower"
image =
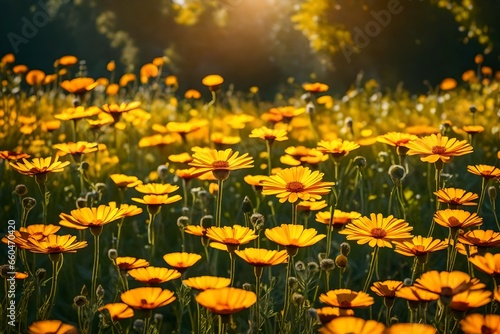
[
  {"x": 220, "y": 163},
  {"x": 328, "y": 313},
  {"x": 293, "y": 236},
  {"x": 352, "y": 325},
  {"x": 116, "y": 110},
  {"x": 260, "y": 257},
  {"x": 315, "y": 87},
  {"x": 457, "y": 219},
  {"x": 128, "y": 263},
  {"x": 377, "y": 230},
  {"x": 340, "y": 218},
  {"x": 455, "y": 197},
  {"x": 486, "y": 171},
  {"x": 147, "y": 298},
  {"x": 337, "y": 148},
  {"x": 117, "y": 311},
  {"x": 411, "y": 328},
  {"x": 436, "y": 147},
  {"x": 414, "y": 294},
  {"x": 270, "y": 135},
  {"x": 156, "y": 188},
  {"x": 40, "y": 166},
  {"x": 154, "y": 275},
  {"x": 182, "y": 158},
  {"x": 307, "y": 206},
  {"x": 396, "y": 139},
  {"x": 51, "y": 327},
  {"x": 79, "y": 86},
  {"x": 232, "y": 237},
  {"x": 212, "y": 81},
  {"x": 469, "y": 299},
  {"x": 447, "y": 284},
  {"x": 54, "y": 244},
  {"x": 419, "y": 246},
  {"x": 386, "y": 289},
  {"x": 296, "y": 183},
  {"x": 35, "y": 77},
  {"x": 13, "y": 156},
  {"x": 77, "y": 113},
  {"x": 480, "y": 238},
  {"x": 76, "y": 149},
  {"x": 346, "y": 299},
  {"x": 181, "y": 260},
  {"x": 203, "y": 283},
  {"x": 95, "y": 217},
  {"x": 157, "y": 200},
  {"x": 123, "y": 181},
  {"x": 488, "y": 263},
  {"x": 480, "y": 324},
  {"x": 226, "y": 300}
]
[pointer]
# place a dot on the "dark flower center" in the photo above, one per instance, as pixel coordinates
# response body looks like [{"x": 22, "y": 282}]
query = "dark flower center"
[
  {"x": 438, "y": 149},
  {"x": 378, "y": 233},
  {"x": 220, "y": 164},
  {"x": 294, "y": 187},
  {"x": 269, "y": 137},
  {"x": 452, "y": 221},
  {"x": 345, "y": 304},
  {"x": 486, "y": 330}
]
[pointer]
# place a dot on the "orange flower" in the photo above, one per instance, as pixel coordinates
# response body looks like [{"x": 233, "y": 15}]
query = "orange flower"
[
  {"x": 20, "y": 69},
  {"x": 455, "y": 197},
  {"x": 35, "y": 77},
  {"x": 123, "y": 181},
  {"x": 486, "y": 171},
  {"x": 68, "y": 60},
  {"x": 345, "y": 298},
  {"x": 117, "y": 311},
  {"x": 447, "y": 284},
  {"x": 13, "y": 156},
  {"x": 55, "y": 244},
  {"x": 352, "y": 325},
  {"x": 340, "y": 218},
  {"x": 51, "y": 327},
  {"x": 220, "y": 163},
  {"x": 40, "y": 166},
  {"x": 212, "y": 81},
  {"x": 226, "y": 300},
  {"x": 397, "y": 139},
  {"x": 377, "y": 230},
  {"x": 480, "y": 238},
  {"x": 448, "y": 84},
  {"x": 128, "y": 263},
  {"x": 316, "y": 87},
  {"x": 77, "y": 113},
  {"x": 457, "y": 219},
  {"x": 296, "y": 182},
  {"x": 79, "y": 86},
  {"x": 337, "y": 148},
  {"x": 259, "y": 257},
  {"x": 386, "y": 289},
  {"x": 328, "y": 313},
  {"x": 232, "y": 237},
  {"x": 488, "y": 263},
  {"x": 414, "y": 294},
  {"x": 116, "y": 110},
  {"x": 147, "y": 298},
  {"x": 469, "y": 299},
  {"x": 206, "y": 282},
  {"x": 93, "y": 218},
  {"x": 156, "y": 188},
  {"x": 436, "y": 147},
  {"x": 76, "y": 149},
  {"x": 157, "y": 200},
  {"x": 480, "y": 324},
  {"x": 154, "y": 275},
  {"x": 148, "y": 71},
  {"x": 270, "y": 135},
  {"x": 293, "y": 236},
  {"x": 192, "y": 94},
  {"x": 419, "y": 246},
  {"x": 411, "y": 328},
  {"x": 181, "y": 260}
]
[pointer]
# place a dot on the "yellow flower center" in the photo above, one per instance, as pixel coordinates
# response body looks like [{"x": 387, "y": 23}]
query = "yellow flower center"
[
  {"x": 219, "y": 164},
  {"x": 378, "y": 233},
  {"x": 294, "y": 187},
  {"x": 438, "y": 149}
]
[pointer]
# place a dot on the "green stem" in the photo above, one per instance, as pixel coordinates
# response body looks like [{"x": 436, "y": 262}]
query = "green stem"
[
  {"x": 268, "y": 148},
  {"x": 95, "y": 270},
  {"x": 484, "y": 183},
  {"x": 371, "y": 269},
  {"x": 219, "y": 203},
  {"x": 287, "y": 292},
  {"x": 233, "y": 265},
  {"x": 46, "y": 309}
]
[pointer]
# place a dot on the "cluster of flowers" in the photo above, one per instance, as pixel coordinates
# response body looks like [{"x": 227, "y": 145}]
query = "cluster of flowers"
[{"x": 199, "y": 141}]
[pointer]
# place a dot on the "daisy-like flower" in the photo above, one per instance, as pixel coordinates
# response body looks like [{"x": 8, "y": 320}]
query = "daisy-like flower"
[
  {"x": 486, "y": 171},
  {"x": 156, "y": 188},
  {"x": 346, "y": 299},
  {"x": 40, "y": 167},
  {"x": 213, "y": 82},
  {"x": 488, "y": 263},
  {"x": 328, "y": 313},
  {"x": 481, "y": 238},
  {"x": 54, "y": 244},
  {"x": 77, "y": 113},
  {"x": 315, "y": 87},
  {"x": 377, "y": 230},
  {"x": 436, "y": 147},
  {"x": 79, "y": 86},
  {"x": 387, "y": 289},
  {"x": 203, "y": 283},
  {"x": 51, "y": 327},
  {"x": 340, "y": 218},
  {"x": 220, "y": 163},
  {"x": 147, "y": 298},
  {"x": 255, "y": 181},
  {"x": 447, "y": 284},
  {"x": 154, "y": 275},
  {"x": 155, "y": 202},
  {"x": 470, "y": 299},
  {"x": 411, "y": 328},
  {"x": 473, "y": 129},
  {"x": 396, "y": 139},
  {"x": 196, "y": 230},
  {"x": 337, "y": 148},
  {"x": 35, "y": 77},
  {"x": 259, "y": 257},
  {"x": 480, "y": 324},
  {"x": 457, "y": 219},
  {"x": 308, "y": 206},
  {"x": 182, "y": 158},
  {"x": 181, "y": 260},
  {"x": 352, "y": 325},
  {"x": 40, "y": 231},
  {"x": 296, "y": 183},
  {"x": 129, "y": 263},
  {"x": 293, "y": 237},
  {"x": 94, "y": 218},
  {"x": 13, "y": 156},
  {"x": 159, "y": 140},
  {"x": 231, "y": 237},
  {"x": 76, "y": 149},
  {"x": 455, "y": 197},
  {"x": 414, "y": 294},
  {"x": 419, "y": 246},
  {"x": 116, "y": 110},
  {"x": 287, "y": 113},
  {"x": 117, "y": 311},
  {"x": 270, "y": 135},
  {"x": 123, "y": 181},
  {"x": 192, "y": 94},
  {"x": 226, "y": 300}
]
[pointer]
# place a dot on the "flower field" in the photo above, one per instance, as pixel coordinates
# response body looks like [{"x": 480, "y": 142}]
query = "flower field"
[{"x": 130, "y": 206}]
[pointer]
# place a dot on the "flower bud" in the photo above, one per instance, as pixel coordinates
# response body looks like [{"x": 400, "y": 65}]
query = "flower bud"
[
  {"x": 162, "y": 171},
  {"x": 158, "y": 318},
  {"x": 492, "y": 193},
  {"x": 300, "y": 266},
  {"x": 247, "y": 286},
  {"x": 112, "y": 254},
  {"x": 182, "y": 222},
  {"x": 298, "y": 299},
  {"x": 360, "y": 161},
  {"x": 247, "y": 206},
  {"x": 341, "y": 261},
  {"x": 139, "y": 325},
  {"x": 100, "y": 291},
  {"x": 257, "y": 218},
  {"x": 21, "y": 190},
  {"x": 327, "y": 264},
  {"x": 40, "y": 274},
  {"x": 29, "y": 203},
  {"x": 397, "y": 173},
  {"x": 407, "y": 281},
  {"x": 85, "y": 165},
  {"x": 312, "y": 267},
  {"x": 80, "y": 301},
  {"x": 293, "y": 283},
  {"x": 345, "y": 248},
  {"x": 81, "y": 202}
]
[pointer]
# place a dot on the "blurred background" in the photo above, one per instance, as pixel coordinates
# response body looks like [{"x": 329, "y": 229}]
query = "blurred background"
[{"x": 415, "y": 43}]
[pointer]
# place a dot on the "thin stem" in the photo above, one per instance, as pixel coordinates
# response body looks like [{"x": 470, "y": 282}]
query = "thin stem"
[
  {"x": 268, "y": 148},
  {"x": 371, "y": 269},
  {"x": 46, "y": 308},
  {"x": 287, "y": 292},
  {"x": 294, "y": 213},
  {"x": 258, "y": 274},
  {"x": 219, "y": 203},
  {"x": 484, "y": 183},
  {"x": 233, "y": 265},
  {"x": 95, "y": 270},
  {"x": 151, "y": 233}
]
